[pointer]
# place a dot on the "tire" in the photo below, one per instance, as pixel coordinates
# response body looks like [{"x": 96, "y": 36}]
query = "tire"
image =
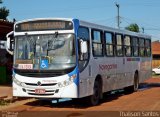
[
  {"x": 95, "y": 98},
  {"x": 136, "y": 82},
  {"x": 135, "y": 85}
]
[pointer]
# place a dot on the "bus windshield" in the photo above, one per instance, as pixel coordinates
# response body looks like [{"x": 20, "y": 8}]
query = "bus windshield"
[{"x": 45, "y": 52}]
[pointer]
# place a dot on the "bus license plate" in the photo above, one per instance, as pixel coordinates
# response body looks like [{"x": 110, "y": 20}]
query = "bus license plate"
[
  {"x": 25, "y": 66},
  {"x": 40, "y": 91}
]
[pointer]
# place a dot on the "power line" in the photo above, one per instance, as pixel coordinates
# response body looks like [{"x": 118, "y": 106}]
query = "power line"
[
  {"x": 156, "y": 29},
  {"x": 153, "y": 26}
]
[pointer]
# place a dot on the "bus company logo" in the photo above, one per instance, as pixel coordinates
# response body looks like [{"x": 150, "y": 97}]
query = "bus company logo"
[
  {"x": 107, "y": 67},
  {"x": 39, "y": 83}
]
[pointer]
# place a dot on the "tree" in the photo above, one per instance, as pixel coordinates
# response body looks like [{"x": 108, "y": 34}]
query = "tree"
[
  {"x": 133, "y": 27},
  {"x": 4, "y": 12}
]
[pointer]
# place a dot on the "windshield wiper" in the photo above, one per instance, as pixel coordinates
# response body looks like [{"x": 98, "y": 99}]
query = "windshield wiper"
[
  {"x": 56, "y": 34},
  {"x": 50, "y": 42}
]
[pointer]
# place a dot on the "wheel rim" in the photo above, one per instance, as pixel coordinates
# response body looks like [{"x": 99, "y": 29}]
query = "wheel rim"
[
  {"x": 136, "y": 82},
  {"x": 96, "y": 94}
]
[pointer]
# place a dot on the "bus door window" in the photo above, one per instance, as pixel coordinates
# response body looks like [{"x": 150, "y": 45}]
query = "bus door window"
[{"x": 83, "y": 35}]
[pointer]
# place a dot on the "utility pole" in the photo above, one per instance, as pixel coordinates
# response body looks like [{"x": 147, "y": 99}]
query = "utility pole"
[{"x": 118, "y": 17}]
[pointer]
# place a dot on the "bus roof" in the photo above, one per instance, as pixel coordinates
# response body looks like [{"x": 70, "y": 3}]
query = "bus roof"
[
  {"x": 111, "y": 29},
  {"x": 92, "y": 25}
]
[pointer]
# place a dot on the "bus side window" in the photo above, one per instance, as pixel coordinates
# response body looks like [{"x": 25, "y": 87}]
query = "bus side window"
[
  {"x": 119, "y": 46},
  {"x": 148, "y": 47},
  {"x": 141, "y": 47},
  {"x": 97, "y": 43},
  {"x": 135, "y": 49},
  {"x": 127, "y": 45},
  {"x": 109, "y": 43}
]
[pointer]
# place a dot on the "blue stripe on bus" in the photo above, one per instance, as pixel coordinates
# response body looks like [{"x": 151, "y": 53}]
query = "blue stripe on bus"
[
  {"x": 75, "y": 72},
  {"x": 76, "y": 80},
  {"x": 76, "y": 25}
]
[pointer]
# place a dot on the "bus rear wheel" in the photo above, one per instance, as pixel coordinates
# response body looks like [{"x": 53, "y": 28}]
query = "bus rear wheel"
[
  {"x": 136, "y": 82},
  {"x": 95, "y": 98},
  {"x": 135, "y": 85}
]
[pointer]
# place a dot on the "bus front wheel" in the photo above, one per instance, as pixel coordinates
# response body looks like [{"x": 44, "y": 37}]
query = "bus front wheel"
[{"x": 94, "y": 99}]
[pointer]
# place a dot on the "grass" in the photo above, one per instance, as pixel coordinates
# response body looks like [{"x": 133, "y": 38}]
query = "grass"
[
  {"x": 155, "y": 76},
  {"x": 3, "y": 103}
]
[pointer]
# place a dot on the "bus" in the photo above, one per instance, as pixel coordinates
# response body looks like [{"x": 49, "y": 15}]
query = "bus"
[{"x": 69, "y": 58}]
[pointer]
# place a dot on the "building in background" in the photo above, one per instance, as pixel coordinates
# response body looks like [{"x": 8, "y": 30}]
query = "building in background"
[
  {"x": 5, "y": 58},
  {"x": 155, "y": 54}
]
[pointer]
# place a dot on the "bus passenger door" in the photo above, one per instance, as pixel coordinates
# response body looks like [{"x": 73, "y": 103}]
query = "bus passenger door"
[
  {"x": 83, "y": 60},
  {"x": 83, "y": 68}
]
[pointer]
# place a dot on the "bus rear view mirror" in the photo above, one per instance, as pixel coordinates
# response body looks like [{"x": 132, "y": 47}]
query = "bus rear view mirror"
[
  {"x": 9, "y": 45},
  {"x": 83, "y": 49},
  {"x": 83, "y": 46}
]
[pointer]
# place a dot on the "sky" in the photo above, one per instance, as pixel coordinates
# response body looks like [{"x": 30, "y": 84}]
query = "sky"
[{"x": 146, "y": 13}]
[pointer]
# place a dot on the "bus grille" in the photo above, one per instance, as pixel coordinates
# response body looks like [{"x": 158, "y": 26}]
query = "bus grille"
[
  {"x": 41, "y": 94},
  {"x": 47, "y": 92},
  {"x": 34, "y": 84}
]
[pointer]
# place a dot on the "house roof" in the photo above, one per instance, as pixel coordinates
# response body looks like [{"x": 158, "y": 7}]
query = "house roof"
[
  {"x": 156, "y": 47},
  {"x": 5, "y": 26}
]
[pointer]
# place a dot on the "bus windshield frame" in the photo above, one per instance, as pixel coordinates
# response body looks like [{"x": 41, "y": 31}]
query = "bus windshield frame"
[{"x": 45, "y": 52}]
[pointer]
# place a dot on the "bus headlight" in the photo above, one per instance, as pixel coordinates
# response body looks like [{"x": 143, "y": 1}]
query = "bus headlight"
[
  {"x": 18, "y": 82},
  {"x": 22, "y": 84},
  {"x": 72, "y": 77},
  {"x": 60, "y": 85},
  {"x": 67, "y": 82}
]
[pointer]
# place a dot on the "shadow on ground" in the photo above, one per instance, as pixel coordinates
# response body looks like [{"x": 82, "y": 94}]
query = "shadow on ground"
[{"x": 82, "y": 103}]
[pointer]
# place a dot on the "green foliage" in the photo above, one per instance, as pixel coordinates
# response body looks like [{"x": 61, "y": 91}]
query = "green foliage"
[
  {"x": 3, "y": 103},
  {"x": 4, "y": 13},
  {"x": 133, "y": 28}
]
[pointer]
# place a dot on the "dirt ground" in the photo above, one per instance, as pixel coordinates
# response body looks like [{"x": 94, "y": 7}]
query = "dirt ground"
[{"x": 147, "y": 98}]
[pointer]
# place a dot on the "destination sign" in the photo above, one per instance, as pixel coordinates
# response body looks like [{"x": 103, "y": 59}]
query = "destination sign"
[{"x": 42, "y": 25}]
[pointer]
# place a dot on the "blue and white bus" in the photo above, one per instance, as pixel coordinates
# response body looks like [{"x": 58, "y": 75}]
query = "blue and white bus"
[{"x": 70, "y": 58}]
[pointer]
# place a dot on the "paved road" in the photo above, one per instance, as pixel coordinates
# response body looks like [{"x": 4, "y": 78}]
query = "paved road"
[{"x": 147, "y": 98}]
